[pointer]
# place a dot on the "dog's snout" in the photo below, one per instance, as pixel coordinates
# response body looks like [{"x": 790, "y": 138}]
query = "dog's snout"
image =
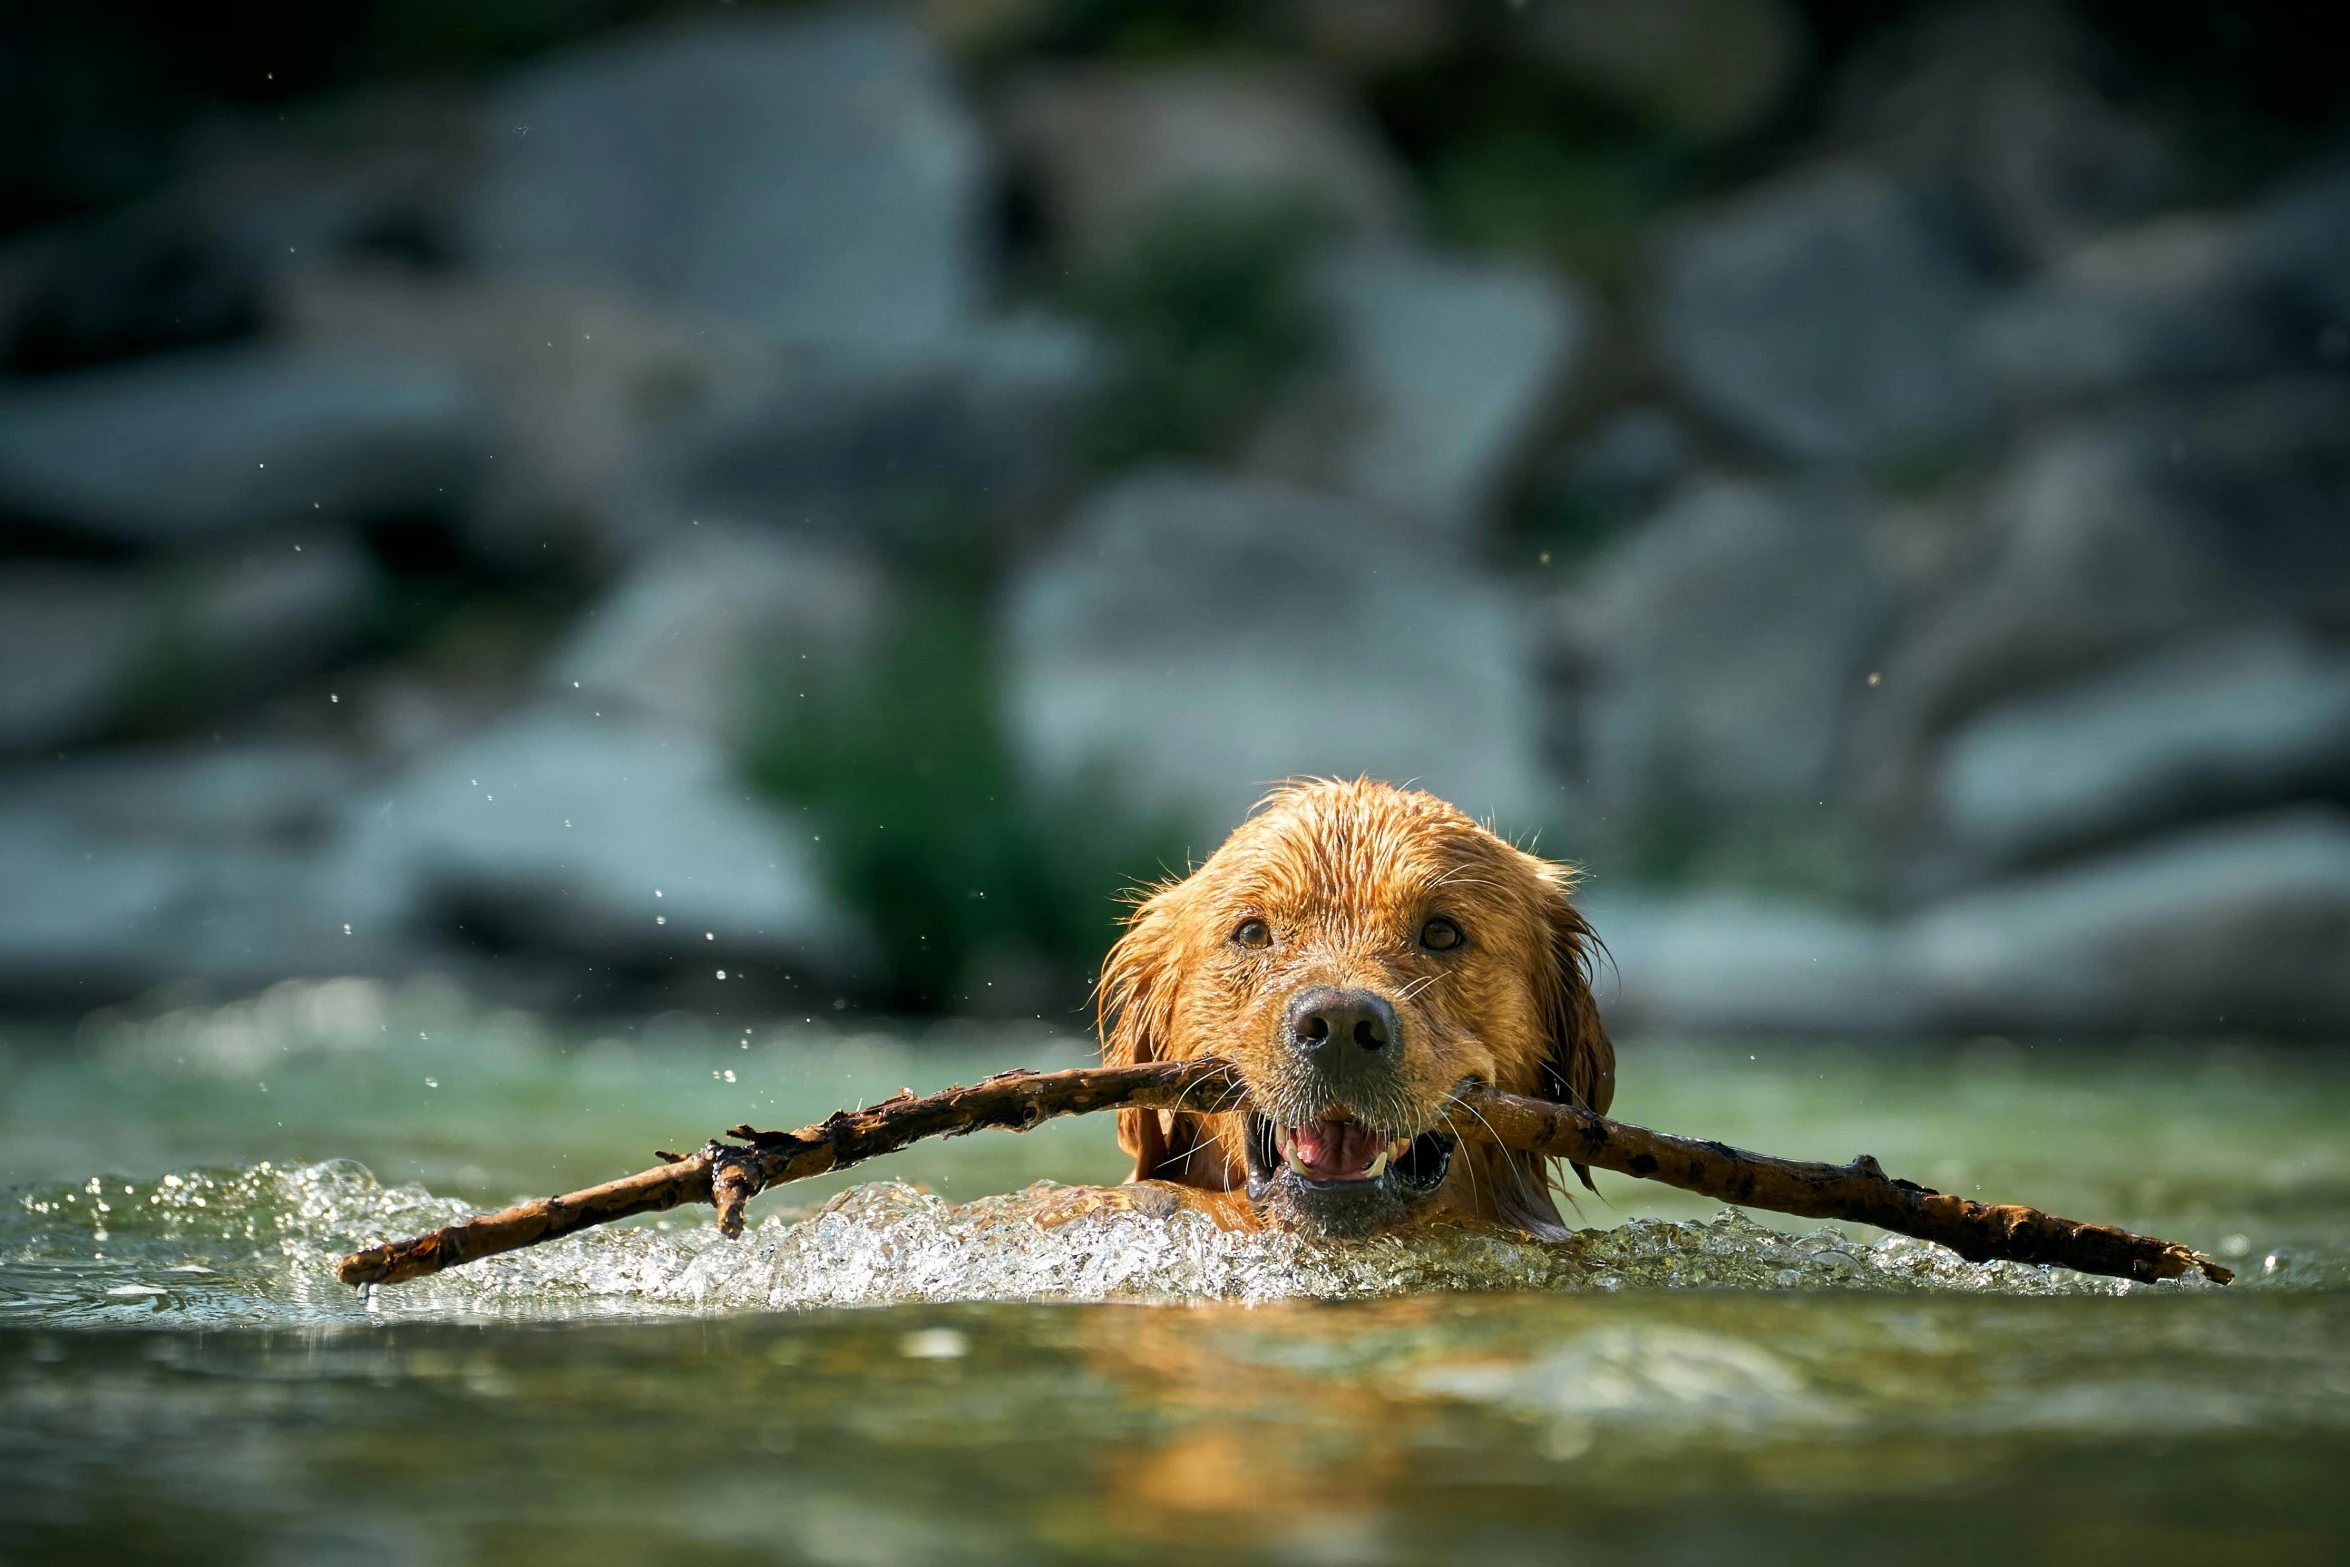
[{"x": 1323, "y": 1017}]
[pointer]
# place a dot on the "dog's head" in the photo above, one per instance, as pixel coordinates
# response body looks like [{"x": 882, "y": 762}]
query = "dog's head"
[{"x": 1360, "y": 951}]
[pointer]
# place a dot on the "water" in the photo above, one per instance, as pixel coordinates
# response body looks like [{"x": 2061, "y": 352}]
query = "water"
[{"x": 1009, "y": 1365}]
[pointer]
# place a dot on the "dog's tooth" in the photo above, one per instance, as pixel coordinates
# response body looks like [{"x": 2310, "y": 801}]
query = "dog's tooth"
[
  {"x": 1378, "y": 1167},
  {"x": 1297, "y": 1166}
]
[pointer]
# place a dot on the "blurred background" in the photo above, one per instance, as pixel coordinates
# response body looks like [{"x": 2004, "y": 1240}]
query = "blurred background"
[{"x": 630, "y": 506}]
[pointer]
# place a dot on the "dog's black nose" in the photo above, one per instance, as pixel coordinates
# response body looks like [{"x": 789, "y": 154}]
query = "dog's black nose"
[{"x": 1321, "y": 1017}]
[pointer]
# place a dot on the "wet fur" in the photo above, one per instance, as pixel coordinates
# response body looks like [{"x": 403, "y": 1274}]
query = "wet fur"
[{"x": 1346, "y": 874}]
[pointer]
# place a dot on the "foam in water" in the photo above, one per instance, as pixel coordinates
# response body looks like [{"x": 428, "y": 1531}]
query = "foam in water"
[{"x": 258, "y": 1245}]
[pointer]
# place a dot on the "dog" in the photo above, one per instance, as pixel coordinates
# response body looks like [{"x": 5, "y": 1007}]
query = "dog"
[{"x": 1359, "y": 951}]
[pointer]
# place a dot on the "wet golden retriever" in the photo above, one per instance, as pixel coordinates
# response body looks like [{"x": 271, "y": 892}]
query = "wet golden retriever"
[{"x": 1360, "y": 951}]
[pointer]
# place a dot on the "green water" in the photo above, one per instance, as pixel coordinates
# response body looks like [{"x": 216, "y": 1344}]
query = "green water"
[{"x": 1023, "y": 1376}]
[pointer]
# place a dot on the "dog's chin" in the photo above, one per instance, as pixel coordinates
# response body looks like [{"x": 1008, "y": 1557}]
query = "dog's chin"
[{"x": 1340, "y": 1179}]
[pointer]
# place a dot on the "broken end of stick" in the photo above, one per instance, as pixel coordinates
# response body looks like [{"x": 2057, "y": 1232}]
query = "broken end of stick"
[
  {"x": 733, "y": 1183},
  {"x": 2210, "y": 1269}
]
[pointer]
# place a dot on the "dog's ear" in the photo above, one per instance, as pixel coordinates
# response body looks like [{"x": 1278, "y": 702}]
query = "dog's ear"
[
  {"x": 1578, "y": 1061},
  {"x": 1132, "y": 1004},
  {"x": 1580, "y": 1065}
]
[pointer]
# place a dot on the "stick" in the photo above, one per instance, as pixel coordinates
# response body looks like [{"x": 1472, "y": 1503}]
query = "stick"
[{"x": 728, "y": 1175}]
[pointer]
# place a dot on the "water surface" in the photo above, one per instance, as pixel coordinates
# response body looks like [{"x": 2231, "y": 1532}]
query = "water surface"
[{"x": 965, "y": 1353}]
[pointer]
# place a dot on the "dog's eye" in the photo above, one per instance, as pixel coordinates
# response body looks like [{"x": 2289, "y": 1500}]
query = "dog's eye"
[
  {"x": 1252, "y": 933},
  {"x": 1440, "y": 935}
]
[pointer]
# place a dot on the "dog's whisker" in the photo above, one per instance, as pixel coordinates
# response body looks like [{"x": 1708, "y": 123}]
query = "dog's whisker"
[{"x": 1452, "y": 1129}]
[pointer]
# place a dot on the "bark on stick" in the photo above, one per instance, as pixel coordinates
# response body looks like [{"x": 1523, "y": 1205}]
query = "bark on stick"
[{"x": 728, "y": 1174}]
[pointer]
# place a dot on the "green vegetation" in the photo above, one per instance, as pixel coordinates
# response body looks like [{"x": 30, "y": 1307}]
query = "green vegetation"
[
  {"x": 1206, "y": 317},
  {"x": 1587, "y": 209},
  {"x": 981, "y": 895}
]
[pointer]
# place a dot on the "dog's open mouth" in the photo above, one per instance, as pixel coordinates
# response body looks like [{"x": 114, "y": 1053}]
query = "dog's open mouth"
[{"x": 1340, "y": 1177}]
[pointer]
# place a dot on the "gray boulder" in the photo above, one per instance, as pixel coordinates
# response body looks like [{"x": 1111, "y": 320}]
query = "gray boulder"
[
  {"x": 809, "y": 176},
  {"x": 1443, "y": 368},
  {"x": 1722, "y": 644},
  {"x": 1196, "y": 637},
  {"x": 1995, "y": 109},
  {"x": 2242, "y": 926},
  {"x": 173, "y": 447},
  {"x": 1823, "y": 314},
  {"x": 374, "y": 171},
  {"x": 576, "y": 383},
  {"x": 151, "y": 867},
  {"x": 2186, "y": 298},
  {"x": 624, "y": 837},
  {"x": 701, "y": 632},
  {"x": 1739, "y": 963},
  {"x": 1629, "y": 462},
  {"x": 1110, "y": 148},
  {"x": 916, "y": 454},
  {"x": 2108, "y": 539},
  {"x": 2157, "y": 303},
  {"x": 71, "y": 639},
  {"x": 239, "y": 622},
  {"x": 82, "y": 647},
  {"x": 2252, "y": 719}
]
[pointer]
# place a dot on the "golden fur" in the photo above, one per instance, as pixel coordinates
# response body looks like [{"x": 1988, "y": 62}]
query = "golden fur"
[{"x": 1345, "y": 877}]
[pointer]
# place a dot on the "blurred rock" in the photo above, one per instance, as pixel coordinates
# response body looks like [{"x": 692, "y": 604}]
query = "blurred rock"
[
  {"x": 177, "y": 864},
  {"x": 626, "y": 838},
  {"x": 130, "y": 284},
  {"x": 70, "y": 644},
  {"x": 921, "y": 456},
  {"x": 83, "y": 649},
  {"x": 1442, "y": 369},
  {"x": 236, "y": 437},
  {"x": 369, "y": 173},
  {"x": 577, "y": 381},
  {"x": 699, "y": 632},
  {"x": 1196, "y": 637},
  {"x": 2262, "y": 476},
  {"x": 2243, "y": 926},
  {"x": 1110, "y": 148},
  {"x": 2185, "y": 298},
  {"x": 808, "y": 175},
  {"x": 2254, "y": 719},
  {"x": 1725, "y": 641},
  {"x": 1997, "y": 110},
  {"x": 2300, "y": 244},
  {"x": 2162, "y": 302},
  {"x": 239, "y": 622},
  {"x": 1821, "y": 313},
  {"x": 2106, "y": 540},
  {"x": 1702, "y": 69},
  {"x": 380, "y": 172},
  {"x": 1627, "y": 464},
  {"x": 1738, "y": 963}
]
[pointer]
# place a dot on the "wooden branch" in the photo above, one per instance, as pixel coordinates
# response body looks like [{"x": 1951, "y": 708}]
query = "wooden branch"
[
  {"x": 728, "y": 1175},
  {"x": 1860, "y": 1191}
]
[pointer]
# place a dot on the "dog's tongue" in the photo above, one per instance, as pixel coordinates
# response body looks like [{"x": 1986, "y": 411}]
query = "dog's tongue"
[{"x": 1336, "y": 1150}]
